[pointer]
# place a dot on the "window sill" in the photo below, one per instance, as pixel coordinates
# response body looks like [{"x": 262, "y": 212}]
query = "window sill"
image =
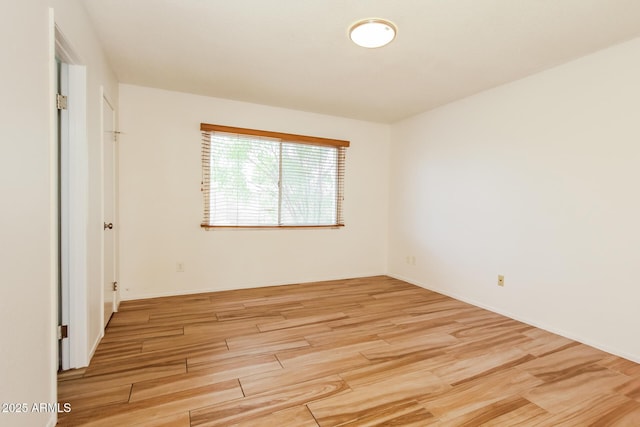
[{"x": 268, "y": 227}]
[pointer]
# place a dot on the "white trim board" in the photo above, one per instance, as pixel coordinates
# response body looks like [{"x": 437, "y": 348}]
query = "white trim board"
[
  {"x": 75, "y": 213},
  {"x": 140, "y": 296}
]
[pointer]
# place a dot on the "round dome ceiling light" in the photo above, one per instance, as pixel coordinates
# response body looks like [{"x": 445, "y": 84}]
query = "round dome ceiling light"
[{"x": 372, "y": 32}]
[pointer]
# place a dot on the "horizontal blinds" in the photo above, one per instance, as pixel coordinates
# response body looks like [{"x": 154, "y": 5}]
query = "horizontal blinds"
[
  {"x": 244, "y": 180},
  {"x": 260, "y": 181},
  {"x": 341, "y": 155},
  {"x": 205, "y": 185},
  {"x": 309, "y": 185}
]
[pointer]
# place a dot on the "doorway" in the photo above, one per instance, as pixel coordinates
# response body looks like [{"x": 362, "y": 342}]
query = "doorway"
[
  {"x": 110, "y": 225},
  {"x": 72, "y": 207},
  {"x": 62, "y": 78}
]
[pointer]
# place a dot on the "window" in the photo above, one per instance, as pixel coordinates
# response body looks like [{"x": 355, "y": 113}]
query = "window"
[{"x": 254, "y": 178}]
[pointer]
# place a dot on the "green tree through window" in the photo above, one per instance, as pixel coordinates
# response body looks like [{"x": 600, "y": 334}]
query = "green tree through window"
[{"x": 261, "y": 181}]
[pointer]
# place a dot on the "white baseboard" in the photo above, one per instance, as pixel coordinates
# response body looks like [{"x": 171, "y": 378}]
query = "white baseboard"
[
  {"x": 138, "y": 296},
  {"x": 541, "y": 325},
  {"x": 94, "y": 347}
]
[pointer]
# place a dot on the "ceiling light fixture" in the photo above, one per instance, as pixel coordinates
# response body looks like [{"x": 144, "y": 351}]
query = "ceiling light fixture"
[{"x": 372, "y": 32}]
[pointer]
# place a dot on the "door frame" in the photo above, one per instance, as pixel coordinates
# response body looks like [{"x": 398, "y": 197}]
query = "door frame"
[{"x": 74, "y": 211}]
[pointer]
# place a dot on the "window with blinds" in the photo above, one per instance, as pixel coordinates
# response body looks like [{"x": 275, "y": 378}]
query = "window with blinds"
[{"x": 253, "y": 178}]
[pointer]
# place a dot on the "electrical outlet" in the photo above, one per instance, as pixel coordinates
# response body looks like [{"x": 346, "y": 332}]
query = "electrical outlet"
[
  {"x": 500, "y": 280},
  {"x": 180, "y": 267}
]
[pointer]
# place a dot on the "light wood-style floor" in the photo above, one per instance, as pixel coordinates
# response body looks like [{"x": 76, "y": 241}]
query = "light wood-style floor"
[{"x": 369, "y": 351}]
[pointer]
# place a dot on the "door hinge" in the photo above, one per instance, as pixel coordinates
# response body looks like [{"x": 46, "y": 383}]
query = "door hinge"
[
  {"x": 115, "y": 286},
  {"x": 61, "y": 102},
  {"x": 63, "y": 332}
]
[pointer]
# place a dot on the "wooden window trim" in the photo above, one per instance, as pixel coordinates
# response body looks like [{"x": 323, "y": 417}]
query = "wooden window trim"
[
  {"x": 289, "y": 137},
  {"x": 208, "y": 130},
  {"x": 267, "y": 227}
]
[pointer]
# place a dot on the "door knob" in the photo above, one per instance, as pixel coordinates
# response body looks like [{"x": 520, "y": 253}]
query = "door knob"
[{"x": 109, "y": 225}]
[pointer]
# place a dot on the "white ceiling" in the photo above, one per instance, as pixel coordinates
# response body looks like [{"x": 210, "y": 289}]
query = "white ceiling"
[{"x": 297, "y": 54}]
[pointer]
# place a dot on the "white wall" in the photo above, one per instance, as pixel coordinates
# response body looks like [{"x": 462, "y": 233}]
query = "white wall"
[
  {"x": 27, "y": 356},
  {"x": 161, "y": 203},
  {"x": 28, "y": 237},
  {"x": 73, "y": 22},
  {"x": 537, "y": 180}
]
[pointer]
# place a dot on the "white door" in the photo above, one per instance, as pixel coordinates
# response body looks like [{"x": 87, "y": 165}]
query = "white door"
[{"x": 109, "y": 209}]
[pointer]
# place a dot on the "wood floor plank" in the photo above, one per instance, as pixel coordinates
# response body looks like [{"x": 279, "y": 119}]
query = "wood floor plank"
[
  {"x": 467, "y": 369},
  {"x": 630, "y": 389},
  {"x": 153, "y": 388},
  {"x": 391, "y": 367},
  {"x": 181, "y": 419},
  {"x": 554, "y": 396},
  {"x": 479, "y": 393},
  {"x": 511, "y": 411},
  {"x": 80, "y": 386},
  {"x": 267, "y": 342},
  {"x": 298, "y": 416},
  {"x": 328, "y": 338},
  {"x": 468, "y": 347},
  {"x": 441, "y": 307},
  {"x": 252, "y": 350},
  {"x": 71, "y": 374},
  {"x": 358, "y": 320},
  {"x": 223, "y": 330},
  {"x": 165, "y": 405},
  {"x": 109, "y": 352},
  {"x": 183, "y": 321},
  {"x": 407, "y": 329},
  {"x": 602, "y": 410},
  {"x": 379, "y": 402},
  {"x": 132, "y": 364},
  {"x": 406, "y": 414},
  {"x": 562, "y": 363},
  {"x": 237, "y": 365},
  {"x": 543, "y": 342},
  {"x": 251, "y": 311},
  {"x": 129, "y": 318},
  {"x": 274, "y": 379},
  {"x": 98, "y": 397},
  {"x": 627, "y": 414},
  {"x": 310, "y": 355},
  {"x": 245, "y": 409},
  {"x": 300, "y": 321},
  {"x": 621, "y": 365},
  {"x": 191, "y": 341},
  {"x": 122, "y": 334},
  {"x": 206, "y": 374},
  {"x": 434, "y": 343},
  {"x": 357, "y": 352}
]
